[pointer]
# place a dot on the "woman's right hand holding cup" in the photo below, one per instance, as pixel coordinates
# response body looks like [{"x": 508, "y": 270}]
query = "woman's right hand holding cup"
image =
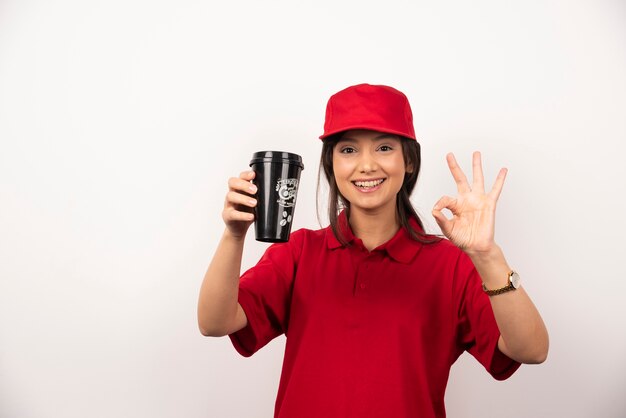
[{"x": 238, "y": 213}]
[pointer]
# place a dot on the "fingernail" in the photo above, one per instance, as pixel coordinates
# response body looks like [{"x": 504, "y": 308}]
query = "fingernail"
[
  {"x": 252, "y": 188},
  {"x": 252, "y": 202}
]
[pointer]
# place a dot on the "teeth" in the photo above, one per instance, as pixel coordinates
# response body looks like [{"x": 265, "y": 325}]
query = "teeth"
[{"x": 371, "y": 183}]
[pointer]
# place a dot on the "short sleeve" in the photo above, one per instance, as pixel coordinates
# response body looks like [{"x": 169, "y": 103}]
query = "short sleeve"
[
  {"x": 265, "y": 296},
  {"x": 477, "y": 330}
]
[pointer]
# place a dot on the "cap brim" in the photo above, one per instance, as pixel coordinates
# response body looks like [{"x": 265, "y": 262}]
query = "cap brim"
[{"x": 370, "y": 128}]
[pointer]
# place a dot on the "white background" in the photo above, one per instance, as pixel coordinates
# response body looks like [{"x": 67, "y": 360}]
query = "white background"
[{"x": 120, "y": 122}]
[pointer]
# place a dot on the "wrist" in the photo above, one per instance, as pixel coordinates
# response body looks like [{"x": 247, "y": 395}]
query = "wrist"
[
  {"x": 234, "y": 237},
  {"x": 491, "y": 266},
  {"x": 490, "y": 255}
]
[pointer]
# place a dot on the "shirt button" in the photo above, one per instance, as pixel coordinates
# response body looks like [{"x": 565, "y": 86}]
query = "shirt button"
[{"x": 363, "y": 286}]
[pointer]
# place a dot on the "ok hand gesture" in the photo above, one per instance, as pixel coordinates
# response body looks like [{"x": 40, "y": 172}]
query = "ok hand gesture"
[{"x": 472, "y": 226}]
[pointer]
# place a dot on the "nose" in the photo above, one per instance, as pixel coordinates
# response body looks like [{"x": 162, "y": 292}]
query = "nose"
[{"x": 367, "y": 162}]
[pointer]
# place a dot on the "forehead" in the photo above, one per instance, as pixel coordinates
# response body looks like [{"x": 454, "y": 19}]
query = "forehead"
[{"x": 366, "y": 135}]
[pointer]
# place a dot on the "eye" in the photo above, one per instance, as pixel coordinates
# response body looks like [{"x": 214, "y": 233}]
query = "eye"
[
  {"x": 347, "y": 150},
  {"x": 385, "y": 148}
]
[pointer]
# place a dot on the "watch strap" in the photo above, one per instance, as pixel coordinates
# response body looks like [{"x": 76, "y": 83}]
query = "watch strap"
[{"x": 501, "y": 290}]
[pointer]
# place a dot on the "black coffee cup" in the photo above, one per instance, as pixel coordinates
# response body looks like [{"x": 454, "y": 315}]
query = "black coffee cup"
[{"x": 277, "y": 176}]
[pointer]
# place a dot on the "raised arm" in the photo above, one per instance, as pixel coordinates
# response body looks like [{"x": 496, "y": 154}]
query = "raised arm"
[
  {"x": 219, "y": 313},
  {"x": 524, "y": 336}
]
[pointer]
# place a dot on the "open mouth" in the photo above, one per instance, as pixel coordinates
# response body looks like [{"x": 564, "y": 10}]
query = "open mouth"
[{"x": 368, "y": 184}]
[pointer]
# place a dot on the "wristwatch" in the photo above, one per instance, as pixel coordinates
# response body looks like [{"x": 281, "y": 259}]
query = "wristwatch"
[{"x": 514, "y": 283}]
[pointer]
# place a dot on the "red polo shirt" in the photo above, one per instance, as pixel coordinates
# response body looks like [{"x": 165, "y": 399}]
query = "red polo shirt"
[{"x": 369, "y": 334}]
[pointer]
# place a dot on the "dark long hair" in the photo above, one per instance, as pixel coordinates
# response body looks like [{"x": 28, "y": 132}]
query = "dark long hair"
[{"x": 404, "y": 208}]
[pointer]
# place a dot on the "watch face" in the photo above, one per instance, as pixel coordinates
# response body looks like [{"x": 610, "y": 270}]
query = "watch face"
[{"x": 515, "y": 280}]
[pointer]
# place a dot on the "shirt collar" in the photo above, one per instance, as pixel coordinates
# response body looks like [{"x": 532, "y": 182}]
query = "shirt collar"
[
  {"x": 344, "y": 227},
  {"x": 401, "y": 247}
]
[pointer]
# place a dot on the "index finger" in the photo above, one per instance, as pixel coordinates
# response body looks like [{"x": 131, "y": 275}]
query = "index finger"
[
  {"x": 243, "y": 183},
  {"x": 247, "y": 175}
]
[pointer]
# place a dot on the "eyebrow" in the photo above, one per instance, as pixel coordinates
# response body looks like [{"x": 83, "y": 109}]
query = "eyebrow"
[{"x": 378, "y": 138}]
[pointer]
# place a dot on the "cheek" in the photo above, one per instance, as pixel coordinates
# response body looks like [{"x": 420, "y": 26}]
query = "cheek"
[
  {"x": 342, "y": 183},
  {"x": 341, "y": 168}
]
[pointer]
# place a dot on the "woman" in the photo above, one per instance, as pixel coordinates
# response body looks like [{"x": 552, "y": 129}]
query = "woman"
[{"x": 375, "y": 310}]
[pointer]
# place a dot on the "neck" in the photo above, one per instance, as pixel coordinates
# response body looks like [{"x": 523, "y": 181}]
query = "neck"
[{"x": 374, "y": 228}]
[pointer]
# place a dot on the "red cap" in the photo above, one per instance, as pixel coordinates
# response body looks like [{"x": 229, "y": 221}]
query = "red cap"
[{"x": 364, "y": 106}]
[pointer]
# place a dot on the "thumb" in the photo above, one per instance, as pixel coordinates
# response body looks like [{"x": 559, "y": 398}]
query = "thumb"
[{"x": 446, "y": 202}]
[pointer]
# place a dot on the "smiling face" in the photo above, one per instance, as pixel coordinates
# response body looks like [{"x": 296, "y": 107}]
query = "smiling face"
[{"x": 369, "y": 170}]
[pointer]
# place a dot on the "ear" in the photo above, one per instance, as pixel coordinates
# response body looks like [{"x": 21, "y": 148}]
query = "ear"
[{"x": 409, "y": 168}]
